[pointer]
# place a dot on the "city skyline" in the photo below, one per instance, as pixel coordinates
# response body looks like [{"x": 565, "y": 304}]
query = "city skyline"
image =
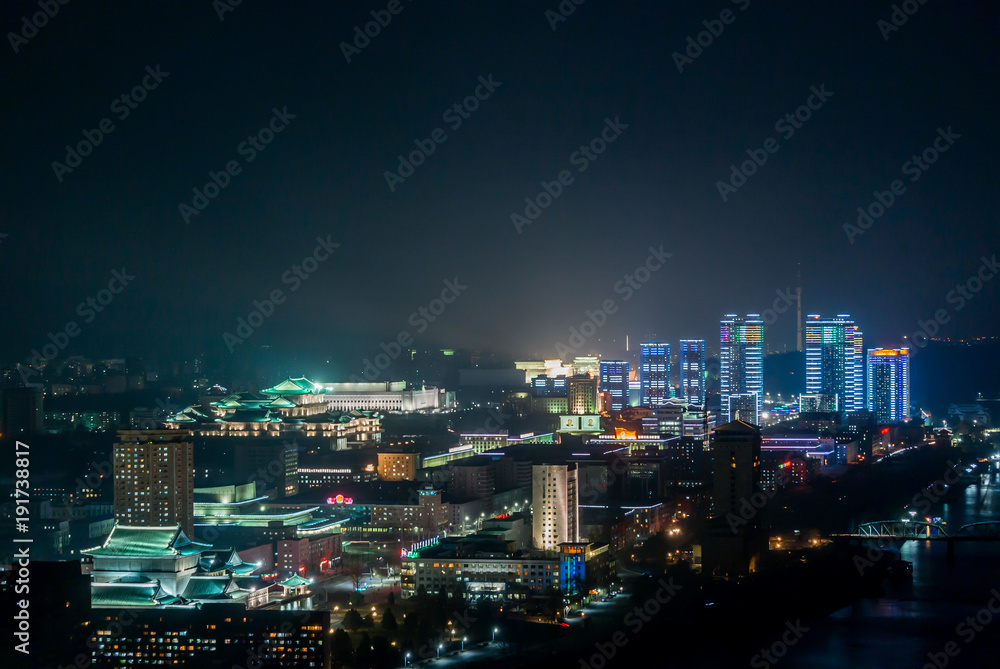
[{"x": 407, "y": 334}]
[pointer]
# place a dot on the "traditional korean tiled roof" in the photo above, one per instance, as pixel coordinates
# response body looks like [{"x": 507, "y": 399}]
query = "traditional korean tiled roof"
[
  {"x": 127, "y": 541},
  {"x": 294, "y": 581},
  {"x": 250, "y": 416},
  {"x": 228, "y": 560},
  {"x": 299, "y": 386},
  {"x": 134, "y": 578},
  {"x": 108, "y": 595},
  {"x": 242, "y": 400},
  {"x": 244, "y": 568},
  {"x": 213, "y": 588},
  {"x": 281, "y": 403},
  {"x": 187, "y": 415}
]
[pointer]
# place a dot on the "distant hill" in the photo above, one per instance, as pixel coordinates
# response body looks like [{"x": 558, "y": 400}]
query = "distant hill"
[
  {"x": 785, "y": 373},
  {"x": 942, "y": 373}
]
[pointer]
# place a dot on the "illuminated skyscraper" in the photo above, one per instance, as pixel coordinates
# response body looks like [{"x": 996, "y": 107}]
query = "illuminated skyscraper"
[
  {"x": 693, "y": 370},
  {"x": 889, "y": 384},
  {"x": 742, "y": 367},
  {"x": 614, "y": 381},
  {"x": 654, "y": 373},
  {"x": 835, "y": 363}
]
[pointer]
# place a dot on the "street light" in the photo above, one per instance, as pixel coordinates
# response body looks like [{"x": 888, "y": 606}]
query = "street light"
[
  {"x": 495, "y": 630},
  {"x": 406, "y": 660},
  {"x": 439, "y": 649},
  {"x": 463, "y": 643}
]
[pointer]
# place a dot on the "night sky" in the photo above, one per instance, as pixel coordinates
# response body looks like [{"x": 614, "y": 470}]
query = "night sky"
[{"x": 323, "y": 175}]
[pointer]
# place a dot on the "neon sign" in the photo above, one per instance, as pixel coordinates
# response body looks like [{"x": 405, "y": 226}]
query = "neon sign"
[{"x": 340, "y": 499}]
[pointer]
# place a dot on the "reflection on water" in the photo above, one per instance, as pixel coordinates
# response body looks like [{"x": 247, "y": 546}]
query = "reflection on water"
[{"x": 915, "y": 618}]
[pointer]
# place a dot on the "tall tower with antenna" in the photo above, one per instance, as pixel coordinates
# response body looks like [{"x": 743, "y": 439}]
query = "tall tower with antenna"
[{"x": 798, "y": 299}]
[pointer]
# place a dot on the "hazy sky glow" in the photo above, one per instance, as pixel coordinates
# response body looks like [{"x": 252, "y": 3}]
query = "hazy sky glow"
[{"x": 540, "y": 100}]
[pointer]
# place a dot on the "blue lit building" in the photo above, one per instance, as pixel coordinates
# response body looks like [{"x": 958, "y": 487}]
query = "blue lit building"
[
  {"x": 654, "y": 373},
  {"x": 549, "y": 386},
  {"x": 742, "y": 368},
  {"x": 889, "y": 384},
  {"x": 614, "y": 381},
  {"x": 835, "y": 363},
  {"x": 693, "y": 370}
]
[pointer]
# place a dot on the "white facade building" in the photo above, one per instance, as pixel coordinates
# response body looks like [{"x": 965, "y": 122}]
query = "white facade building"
[{"x": 555, "y": 505}]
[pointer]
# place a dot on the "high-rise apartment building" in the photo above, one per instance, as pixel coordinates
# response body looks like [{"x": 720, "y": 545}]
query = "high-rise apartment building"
[
  {"x": 835, "y": 363},
  {"x": 742, "y": 367},
  {"x": 692, "y": 364},
  {"x": 614, "y": 381},
  {"x": 736, "y": 466},
  {"x": 654, "y": 373},
  {"x": 272, "y": 462},
  {"x": 889, "y": 384},
  {"x": 555, "y": 506},
  {"x": 154, "y": 479}
]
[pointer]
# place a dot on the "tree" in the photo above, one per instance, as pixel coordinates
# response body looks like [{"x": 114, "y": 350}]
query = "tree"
[
  {"x": 343, "y": 649},
  {"x": 352, "y": 620},
  {"x": 369, "y": 621},
  {"x": 392, "y": 599},
  {"x": 383, "y": 656},
  {"x": 363, "y": 652},
  {"x": 356, "y": 598},
  {"x": 356, "y": 572},
  {"x": 389, "y": 623}
]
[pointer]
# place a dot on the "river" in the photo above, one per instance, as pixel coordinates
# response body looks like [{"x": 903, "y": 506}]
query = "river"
[{"x": 914, "y": 619}]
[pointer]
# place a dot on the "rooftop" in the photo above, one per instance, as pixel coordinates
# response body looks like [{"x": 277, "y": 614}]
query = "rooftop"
[{"x": 127, "y": 541}]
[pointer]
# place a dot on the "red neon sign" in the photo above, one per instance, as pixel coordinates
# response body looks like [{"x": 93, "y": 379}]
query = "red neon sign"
[{"x": 340, "y": 499}]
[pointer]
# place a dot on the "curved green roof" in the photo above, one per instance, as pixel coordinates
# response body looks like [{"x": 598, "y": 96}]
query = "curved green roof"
[
  {"x": 299, "y": 386},
  {"x": 294, "y": 581},
  {"x": 108, "y": 595}
]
